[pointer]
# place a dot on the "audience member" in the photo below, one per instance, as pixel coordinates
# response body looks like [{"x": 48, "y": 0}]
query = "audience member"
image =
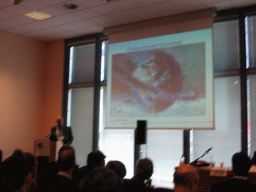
[
  {"x": 241, "y": 165},
  {"x": 95, "y": 159},
  {"x": 13, "y": 171},
  {"x": 143, "y": 172},
  {"x": 30, "y": 159},
  {"x": 253, "y": 160},
  {"x": 120, "y": 170},
  {"x": 18, "y": 153},
  {"x": 63, "y": 180},
  {"x": 186, "y": 179},
  {"x": 1, "y": 156},
  {"x": 19, "y": 173},
  {"x": 30, "y": 183},
  {"x": 101, "y": 179},
  {"x": 253, "y": 163}
]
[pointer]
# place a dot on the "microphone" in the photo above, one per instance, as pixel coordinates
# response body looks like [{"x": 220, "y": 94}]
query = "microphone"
[
  {"x": 208, "y": 150},
  {"x": 195, "y": 161}
]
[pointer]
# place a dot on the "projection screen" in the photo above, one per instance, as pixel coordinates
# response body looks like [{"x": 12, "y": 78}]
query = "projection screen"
[{"x": 166, "y": 80}]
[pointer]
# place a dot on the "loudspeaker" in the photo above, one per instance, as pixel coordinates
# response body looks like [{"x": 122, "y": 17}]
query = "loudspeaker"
[{"x": 140, "y": 132}]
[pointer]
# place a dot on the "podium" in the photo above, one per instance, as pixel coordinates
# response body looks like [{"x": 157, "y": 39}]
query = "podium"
[
  {"x": 45, "y": 153},
  {"x": 45, "y": 148}
]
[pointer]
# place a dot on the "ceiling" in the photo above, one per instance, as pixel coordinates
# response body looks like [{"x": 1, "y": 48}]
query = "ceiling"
[{"x": 92, "y": 16}]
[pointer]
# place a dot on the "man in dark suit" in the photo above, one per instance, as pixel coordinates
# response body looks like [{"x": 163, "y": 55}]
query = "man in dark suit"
[
  {"x": 239, "y": 182},
  {"x": 61, "y": 133}
]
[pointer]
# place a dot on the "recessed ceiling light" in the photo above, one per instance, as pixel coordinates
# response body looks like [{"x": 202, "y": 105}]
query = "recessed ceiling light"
[{"x": 37, "y": 15}]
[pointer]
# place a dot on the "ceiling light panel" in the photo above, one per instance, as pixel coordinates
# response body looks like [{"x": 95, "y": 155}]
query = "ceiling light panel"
[{"x": 37, "y": 15}]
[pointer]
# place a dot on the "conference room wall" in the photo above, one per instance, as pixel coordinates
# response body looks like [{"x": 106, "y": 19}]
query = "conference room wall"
[
  {"x": 31, "y": 90},
  {"x": 53, "y": 85}
]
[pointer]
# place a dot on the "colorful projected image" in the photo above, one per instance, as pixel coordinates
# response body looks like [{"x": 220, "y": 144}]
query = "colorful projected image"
[{"x": 150, "y": 82}]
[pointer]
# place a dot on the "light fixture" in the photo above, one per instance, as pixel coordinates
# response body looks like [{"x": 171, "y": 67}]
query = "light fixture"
[
  {"x": 37, "y": 15},
  {"x": 71, "y": 6}
]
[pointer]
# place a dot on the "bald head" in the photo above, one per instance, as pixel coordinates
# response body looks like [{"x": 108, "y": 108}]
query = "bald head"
[
  {"x": 59, "y": 120},
  {"x": 185, "y": 174}
]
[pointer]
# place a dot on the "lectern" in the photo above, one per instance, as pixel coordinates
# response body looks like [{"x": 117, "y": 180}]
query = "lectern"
[
  {"x": 45, "y": 148},
  {"x": 45, "y": 152}
]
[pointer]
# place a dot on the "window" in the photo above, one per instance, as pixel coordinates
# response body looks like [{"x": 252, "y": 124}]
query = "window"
[
  {"x": 225, "y": 140},
  {"x": 251, "y": 40},
  {"x": 226, "y": 45},
  {"x": 80, "y": 101}
]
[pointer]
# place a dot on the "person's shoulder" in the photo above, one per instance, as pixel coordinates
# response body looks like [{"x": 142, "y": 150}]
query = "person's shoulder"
[
  {"x": 220, "y": 186},
  {"x": 128, "y": 181},
  {"x": 234, "y": 184},
  {"x": 83, "y": 168},
  {"x": 251, "y": 184},
  {"x": 135, "y": 184},
  {"x": 64, "y": 183},
  {"x": 162, "y": 189},
  {"x": 67, "y": 128}
]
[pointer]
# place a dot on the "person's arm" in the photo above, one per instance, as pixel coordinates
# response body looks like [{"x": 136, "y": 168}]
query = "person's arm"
[
  {"x": 68, "y": 136},
  {"x": 53, "y": 136}
]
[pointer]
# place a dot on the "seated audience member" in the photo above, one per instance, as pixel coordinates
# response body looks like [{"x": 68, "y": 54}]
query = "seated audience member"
[
  {"x": 253, "y": 160},
  {"x": 18, "y": 153},
  {"x": 143, "y": 172},
  {"x": 30, "y": 183},
  {"x": 95, "y": 159},
  {"x": 239, "y": 182},
  {"x": 186, "y": 178},
  {"x": 13, "y": 172},
  {"x": 101, "y": 179},
  {"x": 120, "y": 170},
  {"x": 63, "y": 180},
  {"x": 253, "y": 163},
  {"x": 30, "y": 159},
  {"x": 1, "y": 156}
]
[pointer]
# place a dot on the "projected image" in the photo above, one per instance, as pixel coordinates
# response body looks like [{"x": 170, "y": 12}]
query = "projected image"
[{"x": 154, "y": 82}]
